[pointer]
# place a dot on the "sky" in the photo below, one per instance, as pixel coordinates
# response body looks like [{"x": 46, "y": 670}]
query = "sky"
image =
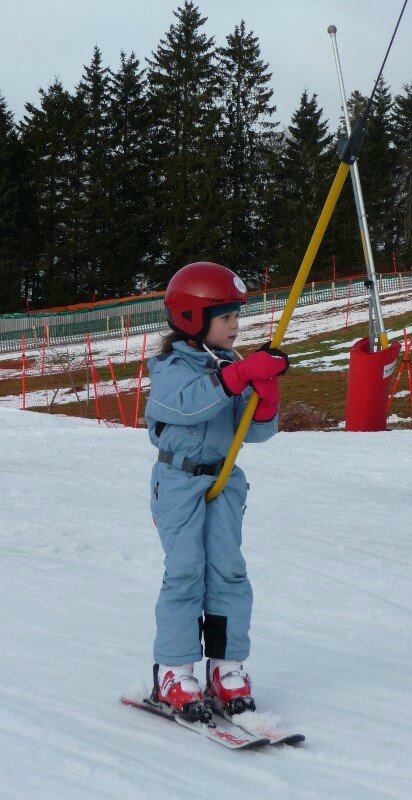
[{"x": 54, "y": 38}]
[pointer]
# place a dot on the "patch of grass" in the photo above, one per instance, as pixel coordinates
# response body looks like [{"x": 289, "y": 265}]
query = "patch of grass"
[{"x": 324, "y": 393}]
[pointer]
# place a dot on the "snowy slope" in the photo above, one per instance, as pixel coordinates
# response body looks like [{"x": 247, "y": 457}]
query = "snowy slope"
[{"x": 327, "y": 540}]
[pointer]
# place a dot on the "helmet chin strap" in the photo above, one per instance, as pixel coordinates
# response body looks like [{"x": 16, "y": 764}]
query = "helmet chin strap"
[
  {"x": 221, "y": 362},
  {"x": 213, "y": 355}
]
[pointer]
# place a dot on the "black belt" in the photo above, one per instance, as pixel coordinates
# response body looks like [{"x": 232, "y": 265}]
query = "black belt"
[{"x": 191, "y": 466}]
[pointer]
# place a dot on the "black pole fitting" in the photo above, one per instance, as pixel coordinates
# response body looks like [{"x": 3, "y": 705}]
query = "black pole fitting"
[{"x": 348, "y": 149}]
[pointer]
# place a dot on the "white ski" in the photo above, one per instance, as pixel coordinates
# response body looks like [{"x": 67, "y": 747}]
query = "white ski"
[
  {"x": 259, "y": 724},
  {"x": 229, "y": 735}
]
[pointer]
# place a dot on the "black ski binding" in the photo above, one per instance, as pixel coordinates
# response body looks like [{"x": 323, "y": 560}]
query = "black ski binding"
[
  {"x": 196, "y": 711},
  {"x": 240, "y": 704}
]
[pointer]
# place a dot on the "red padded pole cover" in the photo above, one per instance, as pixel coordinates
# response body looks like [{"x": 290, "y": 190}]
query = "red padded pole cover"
[{"x": 368, "y": 386}]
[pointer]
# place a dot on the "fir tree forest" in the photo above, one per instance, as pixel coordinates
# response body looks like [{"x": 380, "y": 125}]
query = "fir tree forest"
[{"x": 177, "y": 157}]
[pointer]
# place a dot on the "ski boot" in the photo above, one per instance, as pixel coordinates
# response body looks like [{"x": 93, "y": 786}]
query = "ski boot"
[
  {"x": 228, "y": 687},
  {"x": 178, "y": 688}
]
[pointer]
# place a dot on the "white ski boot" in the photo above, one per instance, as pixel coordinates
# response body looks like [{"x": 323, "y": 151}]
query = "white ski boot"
[
  {"x": 229, "y": 686},
  {"x": 177, "y": 687}
]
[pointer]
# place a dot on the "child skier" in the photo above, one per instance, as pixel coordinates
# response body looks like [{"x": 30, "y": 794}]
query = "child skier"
[{"x": 199, "y": 389}]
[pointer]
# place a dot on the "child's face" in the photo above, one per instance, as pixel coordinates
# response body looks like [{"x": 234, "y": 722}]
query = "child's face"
[{"x": 223, "y": 331}]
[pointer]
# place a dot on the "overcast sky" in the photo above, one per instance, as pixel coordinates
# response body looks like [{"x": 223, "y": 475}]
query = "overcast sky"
[{"x": 42, "y": 39}]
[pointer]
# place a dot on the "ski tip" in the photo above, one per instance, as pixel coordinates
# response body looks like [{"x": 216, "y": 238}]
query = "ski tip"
[
  {"x": 128, "y": 701},
  {"x": 291, "y": 739}
]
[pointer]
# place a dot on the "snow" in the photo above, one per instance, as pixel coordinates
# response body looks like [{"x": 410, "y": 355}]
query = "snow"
[
  {"x": 327, "y": 541},
  {"x": 327, "y": 363}
]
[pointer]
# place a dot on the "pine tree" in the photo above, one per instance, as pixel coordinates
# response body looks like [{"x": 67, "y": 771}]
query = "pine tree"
[
  {"x": 130, "y": 184},
  {"x": 93, "y": 93},
  {"x": 248, "y": 139},
  {"x": 343, "y": 236},
  {"x": 356, "y": 103},
  {"x": 273, "y": 209},
  {"x": 376, "y": 168},
  {"x": 308, "y": 167},
  {"x": 343, "y": 230},
  {"x": 402, "y": 140},
  {"x": 183, "y": 91},
  {"x": 75, "y": 253},
  {"x": 10, "y": 254},
  {"x": 45, "y": 135}
]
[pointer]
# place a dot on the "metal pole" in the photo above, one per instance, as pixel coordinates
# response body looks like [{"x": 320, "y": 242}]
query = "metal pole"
[
  {"x": 362, "y": 221},
  {"x": 372, "y": 326}
]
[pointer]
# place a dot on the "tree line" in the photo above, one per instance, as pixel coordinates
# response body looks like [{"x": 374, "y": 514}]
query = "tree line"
[{"x": 107, "y": 191}]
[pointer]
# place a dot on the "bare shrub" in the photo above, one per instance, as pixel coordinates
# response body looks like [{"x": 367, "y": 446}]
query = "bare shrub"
[{"x": 301, "y": 417}]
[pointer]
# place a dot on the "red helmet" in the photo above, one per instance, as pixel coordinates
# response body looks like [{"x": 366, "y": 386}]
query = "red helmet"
[{"x": 196, "y": 288}]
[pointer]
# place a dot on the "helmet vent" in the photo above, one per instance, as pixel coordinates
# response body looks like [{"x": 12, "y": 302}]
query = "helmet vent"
[{"x": 187, "y": 315}]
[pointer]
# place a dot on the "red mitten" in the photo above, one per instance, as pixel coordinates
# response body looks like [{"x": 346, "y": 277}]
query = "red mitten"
[
  {"x": 257, "y": 366},
  {"x": 269, "y": 396}
]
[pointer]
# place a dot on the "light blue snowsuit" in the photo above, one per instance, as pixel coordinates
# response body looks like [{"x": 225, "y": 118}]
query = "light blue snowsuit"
[{"x": 205, "y": 571}]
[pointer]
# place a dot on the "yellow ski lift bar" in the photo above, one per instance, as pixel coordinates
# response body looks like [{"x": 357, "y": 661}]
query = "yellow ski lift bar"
[
  {"x": 348, "y": 153},
  {"x": 292, "y": 300}
]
